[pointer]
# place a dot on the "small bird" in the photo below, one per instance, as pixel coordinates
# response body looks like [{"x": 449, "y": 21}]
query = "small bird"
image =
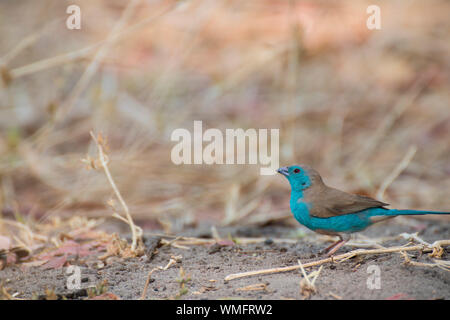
[{"x": 329, "y": 211}]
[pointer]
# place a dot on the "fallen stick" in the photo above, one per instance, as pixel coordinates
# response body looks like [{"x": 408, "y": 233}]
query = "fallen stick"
[{"x": 340, "y": 258}]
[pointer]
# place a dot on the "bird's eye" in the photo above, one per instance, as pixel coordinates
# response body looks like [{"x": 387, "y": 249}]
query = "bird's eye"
[{"x": 296, "y": 170}]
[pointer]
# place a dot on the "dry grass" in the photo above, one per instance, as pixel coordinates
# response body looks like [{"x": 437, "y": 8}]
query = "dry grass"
[{"x": 348, "y": 101}]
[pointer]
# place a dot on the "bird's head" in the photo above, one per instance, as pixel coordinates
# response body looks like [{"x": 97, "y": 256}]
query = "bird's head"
[{"x": 300, "y": 177}]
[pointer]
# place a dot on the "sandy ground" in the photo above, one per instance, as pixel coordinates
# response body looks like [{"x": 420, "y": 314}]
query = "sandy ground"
[{"x": 206, "y": 266}]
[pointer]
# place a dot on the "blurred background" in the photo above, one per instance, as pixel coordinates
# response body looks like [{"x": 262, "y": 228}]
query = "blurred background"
[{"x": 369, "y": 109}]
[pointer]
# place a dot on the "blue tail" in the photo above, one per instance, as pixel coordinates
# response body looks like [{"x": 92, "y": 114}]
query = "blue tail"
[{"x": 395, "y": 212}]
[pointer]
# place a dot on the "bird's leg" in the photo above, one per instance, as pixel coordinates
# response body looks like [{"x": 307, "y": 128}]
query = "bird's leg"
[
  {"x": 336, "y": 246},
  {"x": 327, "y": 249},
  {"x": 330, "y": 247}
]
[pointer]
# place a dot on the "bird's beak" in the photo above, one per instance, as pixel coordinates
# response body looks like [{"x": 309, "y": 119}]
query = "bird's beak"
[{"x": 284, "y": 171}]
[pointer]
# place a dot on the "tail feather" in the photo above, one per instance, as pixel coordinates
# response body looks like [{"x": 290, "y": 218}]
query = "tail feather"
[{"x": 395, "y": 212}]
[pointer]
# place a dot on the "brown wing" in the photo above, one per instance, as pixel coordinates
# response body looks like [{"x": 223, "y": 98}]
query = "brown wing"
[{"x": 329, "y": 202}]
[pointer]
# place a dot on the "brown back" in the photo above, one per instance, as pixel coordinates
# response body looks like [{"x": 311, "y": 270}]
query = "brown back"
[{"x": 328, "y": 202}]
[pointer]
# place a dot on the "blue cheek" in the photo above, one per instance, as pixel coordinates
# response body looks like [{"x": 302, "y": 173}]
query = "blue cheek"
[
  {"x": 306, "y": 182},
  {"x": 299, "y": 182}
]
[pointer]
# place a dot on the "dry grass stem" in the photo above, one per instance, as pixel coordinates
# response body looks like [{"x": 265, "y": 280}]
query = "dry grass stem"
[
  {"x": 414, "y": 237},
  {"x": 307, "y": 287},
  {"x": 173, "y": 243},
  {"x": 397, "y": 171},
  {"x": 254, "y": 287},
  {"x": 104, "y": 164},
  {"x": 337, "y": 297},
  {"x": 442, "y": 264},
  {"x": 173, "y": 260}
]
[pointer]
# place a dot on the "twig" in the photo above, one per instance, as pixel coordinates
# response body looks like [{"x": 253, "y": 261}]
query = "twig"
[
  {"x": 215, "y": 233},
  {"x": 303, "y": 271},
  {"x": 340, "y": 258},
  {"x": 307, "y": 287},
  {"x": 173, "y": 243},
  {"x": 254, "y": 287},
  {"x": 139, "y": 230},
  {"x": 334, "y": 295},
  {"x": 173, "y": 260},
  {"x": 442, "y": 264},
  {"x": 104, "y": 164},
  {"x": 415, "y": 237},
  {"x": 315, "y": 275}
]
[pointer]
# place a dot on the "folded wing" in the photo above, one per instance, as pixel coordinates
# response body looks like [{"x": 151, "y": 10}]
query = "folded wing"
[{"x": 329, "y": 202}]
